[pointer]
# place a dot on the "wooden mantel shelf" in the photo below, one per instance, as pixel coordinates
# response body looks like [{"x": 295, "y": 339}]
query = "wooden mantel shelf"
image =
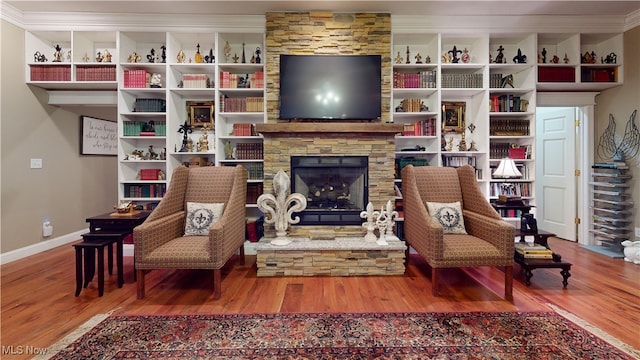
[{"x": 329, "y": 127}]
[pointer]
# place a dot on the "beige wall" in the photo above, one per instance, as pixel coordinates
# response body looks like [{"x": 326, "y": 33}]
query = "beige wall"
[
  {"x": 621, "y": 101},
  {"x": 69, "y": 187}
]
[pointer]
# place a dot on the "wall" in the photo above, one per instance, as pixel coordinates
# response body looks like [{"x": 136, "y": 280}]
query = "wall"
[
  {"x": 69, "y": 187},
  {"x": 621, "y": 101}
]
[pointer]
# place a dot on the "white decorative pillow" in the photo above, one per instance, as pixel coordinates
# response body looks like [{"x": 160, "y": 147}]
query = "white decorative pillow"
[
  {"x": 200, "y": 217},
  {"x": 449, "y": 215}
]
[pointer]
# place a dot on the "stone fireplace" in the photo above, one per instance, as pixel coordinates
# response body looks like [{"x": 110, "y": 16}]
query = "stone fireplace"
[{"x": 374, "y": 142}]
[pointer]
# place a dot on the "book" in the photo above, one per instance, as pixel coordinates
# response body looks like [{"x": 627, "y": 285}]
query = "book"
[
  {"x": 524, "y": 247},
  {"x": 537, "y": 256}
]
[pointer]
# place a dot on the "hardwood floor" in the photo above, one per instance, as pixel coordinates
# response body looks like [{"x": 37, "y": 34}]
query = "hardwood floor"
[{"x": 39, "y": 306}]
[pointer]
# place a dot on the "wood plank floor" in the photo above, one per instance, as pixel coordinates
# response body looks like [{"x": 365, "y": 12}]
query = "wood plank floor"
[{"x": 39, "y": 306}]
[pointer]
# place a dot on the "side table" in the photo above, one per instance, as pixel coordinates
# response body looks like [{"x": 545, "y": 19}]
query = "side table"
[
  {"x": 104, "y": 231},
  {"x": 528, "y": 265}
]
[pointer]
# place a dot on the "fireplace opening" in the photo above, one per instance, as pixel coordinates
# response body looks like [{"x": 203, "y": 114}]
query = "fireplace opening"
[{"x": 336, "y": 188}]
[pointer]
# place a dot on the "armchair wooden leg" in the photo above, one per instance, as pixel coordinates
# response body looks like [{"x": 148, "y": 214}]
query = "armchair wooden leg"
[
  {"x": 217, "y": 286},
  {"x": 140, "y": 283},
  {"x": 242, "y": 254},
  {"x": 434, "y": 281},
  {"x": 508, "y": 283}
]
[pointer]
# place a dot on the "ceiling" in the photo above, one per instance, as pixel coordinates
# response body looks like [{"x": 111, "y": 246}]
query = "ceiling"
[{"x": 411, "y": 7}]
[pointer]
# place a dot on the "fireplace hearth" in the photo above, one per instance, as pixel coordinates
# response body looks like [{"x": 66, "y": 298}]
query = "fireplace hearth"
[{"x": 336, "y": 188}]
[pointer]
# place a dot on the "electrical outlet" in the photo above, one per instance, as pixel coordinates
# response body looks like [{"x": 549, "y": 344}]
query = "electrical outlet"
[
  {"x": 36, "y": 163},
  {"x": 638, "y": 232}
]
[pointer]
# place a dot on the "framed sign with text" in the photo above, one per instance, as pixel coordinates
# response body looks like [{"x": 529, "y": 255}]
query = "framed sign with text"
[{"x": 98, "y": 137}]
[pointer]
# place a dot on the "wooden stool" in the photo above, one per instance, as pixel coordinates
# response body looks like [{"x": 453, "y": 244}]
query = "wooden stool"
[{"x": 96, "y": 242}]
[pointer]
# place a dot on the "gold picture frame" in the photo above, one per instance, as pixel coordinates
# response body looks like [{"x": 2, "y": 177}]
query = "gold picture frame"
[
  {"x": 453, "y": 113},
  {"x": 200, "y": 114}
]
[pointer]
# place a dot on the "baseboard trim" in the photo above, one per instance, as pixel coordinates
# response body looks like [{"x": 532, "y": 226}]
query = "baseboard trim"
[{"x": 21, "y": 253}]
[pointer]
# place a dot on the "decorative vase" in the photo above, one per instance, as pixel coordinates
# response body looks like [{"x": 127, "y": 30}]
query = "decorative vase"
[{"x": 631, "y": 251}]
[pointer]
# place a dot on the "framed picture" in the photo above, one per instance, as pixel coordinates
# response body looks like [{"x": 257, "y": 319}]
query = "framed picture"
[
  {"x": 453, "y": 117},
  {"x": 200, "y": 114},
  {"x": 98, "y": 137}
]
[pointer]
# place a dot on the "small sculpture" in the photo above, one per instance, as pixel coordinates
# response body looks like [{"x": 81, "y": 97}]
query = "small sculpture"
[
  {"x": 198, "y": 56},
  {"x": 124, "y": 207},
  {"x": 38, "y": 57},
  {"x": 210, "y": 59},
  {"x": 408, "y": 54},
  {"x": 185, "y": 129},
  {"x": 543, "y": 60},
  {"x": 629, "y": 146},
  {"x": 244, "y": 59},
  {"x": 520, "y": 58},
  {"x": 134, "y": 57},
  {"x": 106, "y": 56},
  {"x": 57, "y": 55},
  {"x": 566, "y": 58},
  {"x": 612, "y": 58},
  {"x": 181, "y": 57},
  {"x": 465, "y": 56},
  {"x": 471, "y": 127},
  {"x": 279, "y": 208},
  {"x": 427, "y": 60},
  {"x": 152, "y": 154},
  {"x": 99, "y": 57},
  {"x": 235, "y": 58},
  {"x": 85, "y": 58},
  {"x": 423, "y": 107},
  {"x": 418, "y": 58},
  {"x": 258, "y": 52},
  {"x": 507, "y": 80},
  {"x": 450, "y": 144},
  {"x": 164, "y": 53},
  {"x": 589, "y": 58},
  {"x": 156, "y": 80},
  {"x": 227, "y": 51},
  {"x": 228, "y": 150},
  {"x": 203, "y": 142},
  {"x": 500, "y": 56},
  {"x": 370, "y": 215},
  {"x": 151, "y": 57},
  {"x": 462, "y": 146},
  {"x": 631, "y": 251},
  {"x": 555, "y": 59},
  {"x": 473, "y": 146},
  {"x": 446, "y": 58},
  {"x": 454, "y": 54},
  {"x": 399, "y": 58}
]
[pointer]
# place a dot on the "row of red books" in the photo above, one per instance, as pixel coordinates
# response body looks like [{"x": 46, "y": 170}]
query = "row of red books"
[
  {"x": 508, "y": 103},
  {"x": 136, "y": 78},
  {"x": 50, "y": 73},
  {"x": 244, "y": 130},
  {"x": 249, "y": 151},
  {"x": 423, "y": 79},
  {"x": 194, "y": 81},
  {"x": 425, "y": 127},
  {"x": 96, "y": 73},
  {"x": 229, "y": 80},
  {"x": 246, "y": 104}
]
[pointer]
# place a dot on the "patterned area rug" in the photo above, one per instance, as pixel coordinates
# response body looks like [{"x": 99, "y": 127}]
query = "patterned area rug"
[{"x": 472, "y": 335}]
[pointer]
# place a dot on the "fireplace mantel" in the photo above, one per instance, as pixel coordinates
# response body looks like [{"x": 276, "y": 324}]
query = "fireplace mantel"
[{"x": 329, "y": 127}]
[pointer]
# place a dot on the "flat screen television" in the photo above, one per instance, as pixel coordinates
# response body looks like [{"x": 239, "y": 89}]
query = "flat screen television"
[{"x": 330, "y": 87}]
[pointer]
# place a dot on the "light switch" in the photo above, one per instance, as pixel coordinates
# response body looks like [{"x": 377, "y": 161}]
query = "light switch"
[{"x": 36, "y": 163}]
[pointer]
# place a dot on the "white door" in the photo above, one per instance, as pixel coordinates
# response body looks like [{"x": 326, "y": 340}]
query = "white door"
[{"x": 555, "y": 171}]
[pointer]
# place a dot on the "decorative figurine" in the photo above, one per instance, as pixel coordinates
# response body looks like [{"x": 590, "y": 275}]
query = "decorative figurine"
[
  {"x": 134, "y": 57},
  {"x": 99, "y": 57},
  {"x": 280, "y": 206},
  {"x": 454, "y": 54},
  {"x": 235, "y": 58},
  {"x": 69, "y": 56},
  {"x": 471, "y": 127},
  {"x": 443, "y": 143},
  {"x": 203, "y": 142},
  {"x": 185, "y": 130},
  {"x": 462, "y": 146},
  {"x": 181, "y": 57},
  {"x": 85, "y": 58},
  {"x": 506, "y": 80},
  {"x": 370, "y": 215},
  {"x": 164, "y": 53},
  {"x": 152, "y": 154},
  {"x": 228, "y": 151},
  {"x": 210, "y": 59},
  {"x": 198, "y": 56},
  {"x": 473, "y": 146},
  {"x": 399, "y": 58},
  {"x": 258, "y": 52},
  {"x": 244, "y": 59},
  {"x": 446, "y": 58},
  {"x": 500, "y": 56},
  {"x": 423, "y": 107},
  {"x": 190, "y": 145},
  {"x": 465, "y": 56},
  {"x": 151, "y": 56},
  {"x": 544, "y": 56},
  {"x": 38, "y": 57},
  {"x": 156, "y": 80},
  {"x": 427, "y": 60},
  {"x": 227, "y": 51},
  {"x": 418, "y": 58},
  {"x": 612, "y": 58},
  {"x": 57, "y": 55},
  {"x": 555, "y": 59},
  {"x": 520, "y": 58},
  {"x": 450, "y": 144},
  {"x": 408, "y": 53},
  {"x": 566, "y": 58},
  {"x": 106, "y": 56}
]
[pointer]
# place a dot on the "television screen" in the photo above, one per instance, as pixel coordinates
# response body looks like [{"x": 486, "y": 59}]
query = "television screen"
[{"x": 327, "y": 87}]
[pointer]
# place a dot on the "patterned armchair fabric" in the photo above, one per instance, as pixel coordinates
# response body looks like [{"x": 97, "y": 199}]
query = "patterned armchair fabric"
[
  {"x": 490, "y": 240},
  {"x": 159, "y": 241}
]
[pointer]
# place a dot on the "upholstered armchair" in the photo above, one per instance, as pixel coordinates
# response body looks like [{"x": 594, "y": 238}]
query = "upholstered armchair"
[
  {"x": 437, "y": 235},
  {"x": 198, "y": 224}
]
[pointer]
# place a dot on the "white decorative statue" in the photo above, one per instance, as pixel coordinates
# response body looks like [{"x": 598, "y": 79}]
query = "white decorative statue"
[
  {"x": 631, "y": 251},
  {"x": 279, "y": 209},
  {"x": 370, "y": 215}
]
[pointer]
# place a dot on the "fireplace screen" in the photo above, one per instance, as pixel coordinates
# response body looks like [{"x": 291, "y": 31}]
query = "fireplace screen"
[{"x": 335, "y": 188}]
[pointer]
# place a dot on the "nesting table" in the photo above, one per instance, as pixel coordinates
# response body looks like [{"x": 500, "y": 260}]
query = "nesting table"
[
  {"x": 528, "y": 265},
  {"x": 104, "y": 231}
]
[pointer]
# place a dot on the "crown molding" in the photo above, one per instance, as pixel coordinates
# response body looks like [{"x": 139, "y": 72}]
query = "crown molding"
[
  {"x": 632, "y": 20},
  {"x": 11, "y": 14},
  {"x": 520, "y": 24}
]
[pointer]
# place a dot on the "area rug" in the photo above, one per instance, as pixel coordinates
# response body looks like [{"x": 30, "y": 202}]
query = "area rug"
[{"x": 463, "y": 335}]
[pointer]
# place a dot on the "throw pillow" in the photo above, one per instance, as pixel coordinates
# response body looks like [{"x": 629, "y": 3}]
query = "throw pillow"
[
  {"x": 200, "y": 217},
  {"x": 449, "y": 215}
]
